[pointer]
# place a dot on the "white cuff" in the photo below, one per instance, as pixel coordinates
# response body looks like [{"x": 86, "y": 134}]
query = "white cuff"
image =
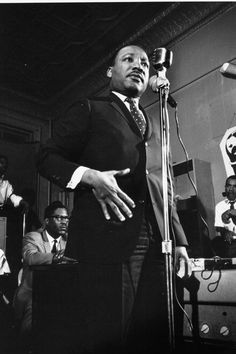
[
  {"x": 15, "y": 199},
  {"x": 76, "y": 177}
]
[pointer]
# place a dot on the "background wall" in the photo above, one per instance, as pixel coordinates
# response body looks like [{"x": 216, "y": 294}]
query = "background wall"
[
  {"x": 23, "y": 126},
  {"x": 206, "y": 99}
]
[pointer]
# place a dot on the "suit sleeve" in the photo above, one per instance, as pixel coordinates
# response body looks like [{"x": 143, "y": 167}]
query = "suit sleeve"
[
  {"x": 32, "y": 250},
  {"x": 178, "y": 231},
  {"x": 59, "y": 157}
]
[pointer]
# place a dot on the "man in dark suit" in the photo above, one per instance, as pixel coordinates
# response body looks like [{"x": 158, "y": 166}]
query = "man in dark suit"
[{"x": 108, "y": 151}]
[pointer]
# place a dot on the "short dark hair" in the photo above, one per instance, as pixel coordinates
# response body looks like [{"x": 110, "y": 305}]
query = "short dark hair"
[
  {"x": 114, "y": 55},
  {"x": 229, "y": 178},
  {"x": 49, "y": 211}
]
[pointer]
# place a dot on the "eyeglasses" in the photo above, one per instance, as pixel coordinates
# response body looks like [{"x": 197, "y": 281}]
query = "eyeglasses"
[{"x": 60, "y": 218}]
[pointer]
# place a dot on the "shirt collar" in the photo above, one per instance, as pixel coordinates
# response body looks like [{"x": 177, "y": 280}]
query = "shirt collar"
[
  {"x": 51, "y": 239},
  {"x": 123, "y": 97},
  {"x": 227, "y": 201}
]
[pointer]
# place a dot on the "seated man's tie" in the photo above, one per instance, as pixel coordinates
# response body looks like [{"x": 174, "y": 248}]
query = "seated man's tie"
[{"x": 54, "y": 248}]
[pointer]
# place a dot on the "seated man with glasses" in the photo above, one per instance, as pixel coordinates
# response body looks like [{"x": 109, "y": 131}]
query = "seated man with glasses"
[{"x": 44, "y": 246}]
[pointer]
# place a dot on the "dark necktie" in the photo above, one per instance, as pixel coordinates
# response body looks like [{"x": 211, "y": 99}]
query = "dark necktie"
[
  {"x": 231, "y": 205},
  {"x": 54, "y": 248},
  {"x": 137, "y": 115}
]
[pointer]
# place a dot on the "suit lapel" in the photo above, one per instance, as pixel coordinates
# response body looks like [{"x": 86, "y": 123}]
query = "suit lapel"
[
  {"x": 148, "y": 132},
  {"x": 46, "y": 242},
  {"x": 125, "y": 113},
  {"x": 62, "y": 243}
]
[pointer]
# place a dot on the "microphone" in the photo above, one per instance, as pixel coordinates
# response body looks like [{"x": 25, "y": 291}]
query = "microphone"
[
  {"x": 161, "y": 60},
  {"x": 162, "y": 57},
  {"x": 155, "y": 82},
  {"x": 228, "y": 70}
]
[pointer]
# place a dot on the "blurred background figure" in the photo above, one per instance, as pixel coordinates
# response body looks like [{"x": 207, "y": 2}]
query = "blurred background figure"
[
  {"x": 13, "y": 209},
  {"x": 225, "y": 221},
  {"x": 6, "y": 189}
]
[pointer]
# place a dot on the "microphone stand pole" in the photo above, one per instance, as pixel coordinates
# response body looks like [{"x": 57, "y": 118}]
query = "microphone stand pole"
[{"x": 166, "y": 243}]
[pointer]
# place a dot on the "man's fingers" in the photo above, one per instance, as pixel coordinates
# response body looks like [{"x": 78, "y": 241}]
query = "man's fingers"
[
  {"x": 107, "y": 192},
  {"x": 122, "y": 172},
  {"x": 121, "y": 206},
  {"x": 126, "y": 199},
  {"x": 116, "y": 210},
  {"x": 103, "y": 205},
  {"x": 117, "y": 205},
  {"x": 184, "y": 268}
]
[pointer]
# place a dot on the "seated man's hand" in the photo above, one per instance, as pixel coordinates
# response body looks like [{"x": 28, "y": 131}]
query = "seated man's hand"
[
  {"x": 233, "y": 215},
  {"x": 229, "y": 236},
  {"x": 58, "y": 257},
  {"x": 226, "y": 217}
]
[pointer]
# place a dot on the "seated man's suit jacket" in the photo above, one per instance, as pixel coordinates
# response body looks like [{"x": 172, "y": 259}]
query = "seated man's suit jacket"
[{"x": 36, "y": 250}]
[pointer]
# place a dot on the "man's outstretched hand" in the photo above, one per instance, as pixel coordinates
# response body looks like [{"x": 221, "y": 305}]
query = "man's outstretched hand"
[{"x": 108, "y": 193}]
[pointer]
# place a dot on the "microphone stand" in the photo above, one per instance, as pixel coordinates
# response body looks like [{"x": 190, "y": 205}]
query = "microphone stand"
[{"x": 166, "y": 243}]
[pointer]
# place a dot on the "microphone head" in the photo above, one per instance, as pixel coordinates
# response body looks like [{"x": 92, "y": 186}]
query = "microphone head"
[
  {"x": 228, "y": 70},
  {"x": 161, "y": 57}
]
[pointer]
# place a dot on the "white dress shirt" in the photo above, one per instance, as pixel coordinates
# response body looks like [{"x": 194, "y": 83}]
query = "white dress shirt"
[{"x": 51, "y": 241}]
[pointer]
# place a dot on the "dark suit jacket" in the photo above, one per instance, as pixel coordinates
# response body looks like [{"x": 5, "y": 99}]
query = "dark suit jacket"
[{"x": 101, "y": 134}]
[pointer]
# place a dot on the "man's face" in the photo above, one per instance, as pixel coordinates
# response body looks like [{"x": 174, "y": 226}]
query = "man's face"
[
  {"x": 230, "y": 189},
  {"x": 57, "y": 224},
  {"x": 130, "y": 72}
]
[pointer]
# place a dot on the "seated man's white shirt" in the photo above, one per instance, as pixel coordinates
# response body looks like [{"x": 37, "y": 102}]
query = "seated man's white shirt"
[{"x": 51, "y": 241}]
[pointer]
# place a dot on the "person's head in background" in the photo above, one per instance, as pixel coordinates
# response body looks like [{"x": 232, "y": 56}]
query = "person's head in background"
[
  {"x": 56, "y": 219},
  {"x": 230, "y": 188},
  {"x": 129, "y": 71}
]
